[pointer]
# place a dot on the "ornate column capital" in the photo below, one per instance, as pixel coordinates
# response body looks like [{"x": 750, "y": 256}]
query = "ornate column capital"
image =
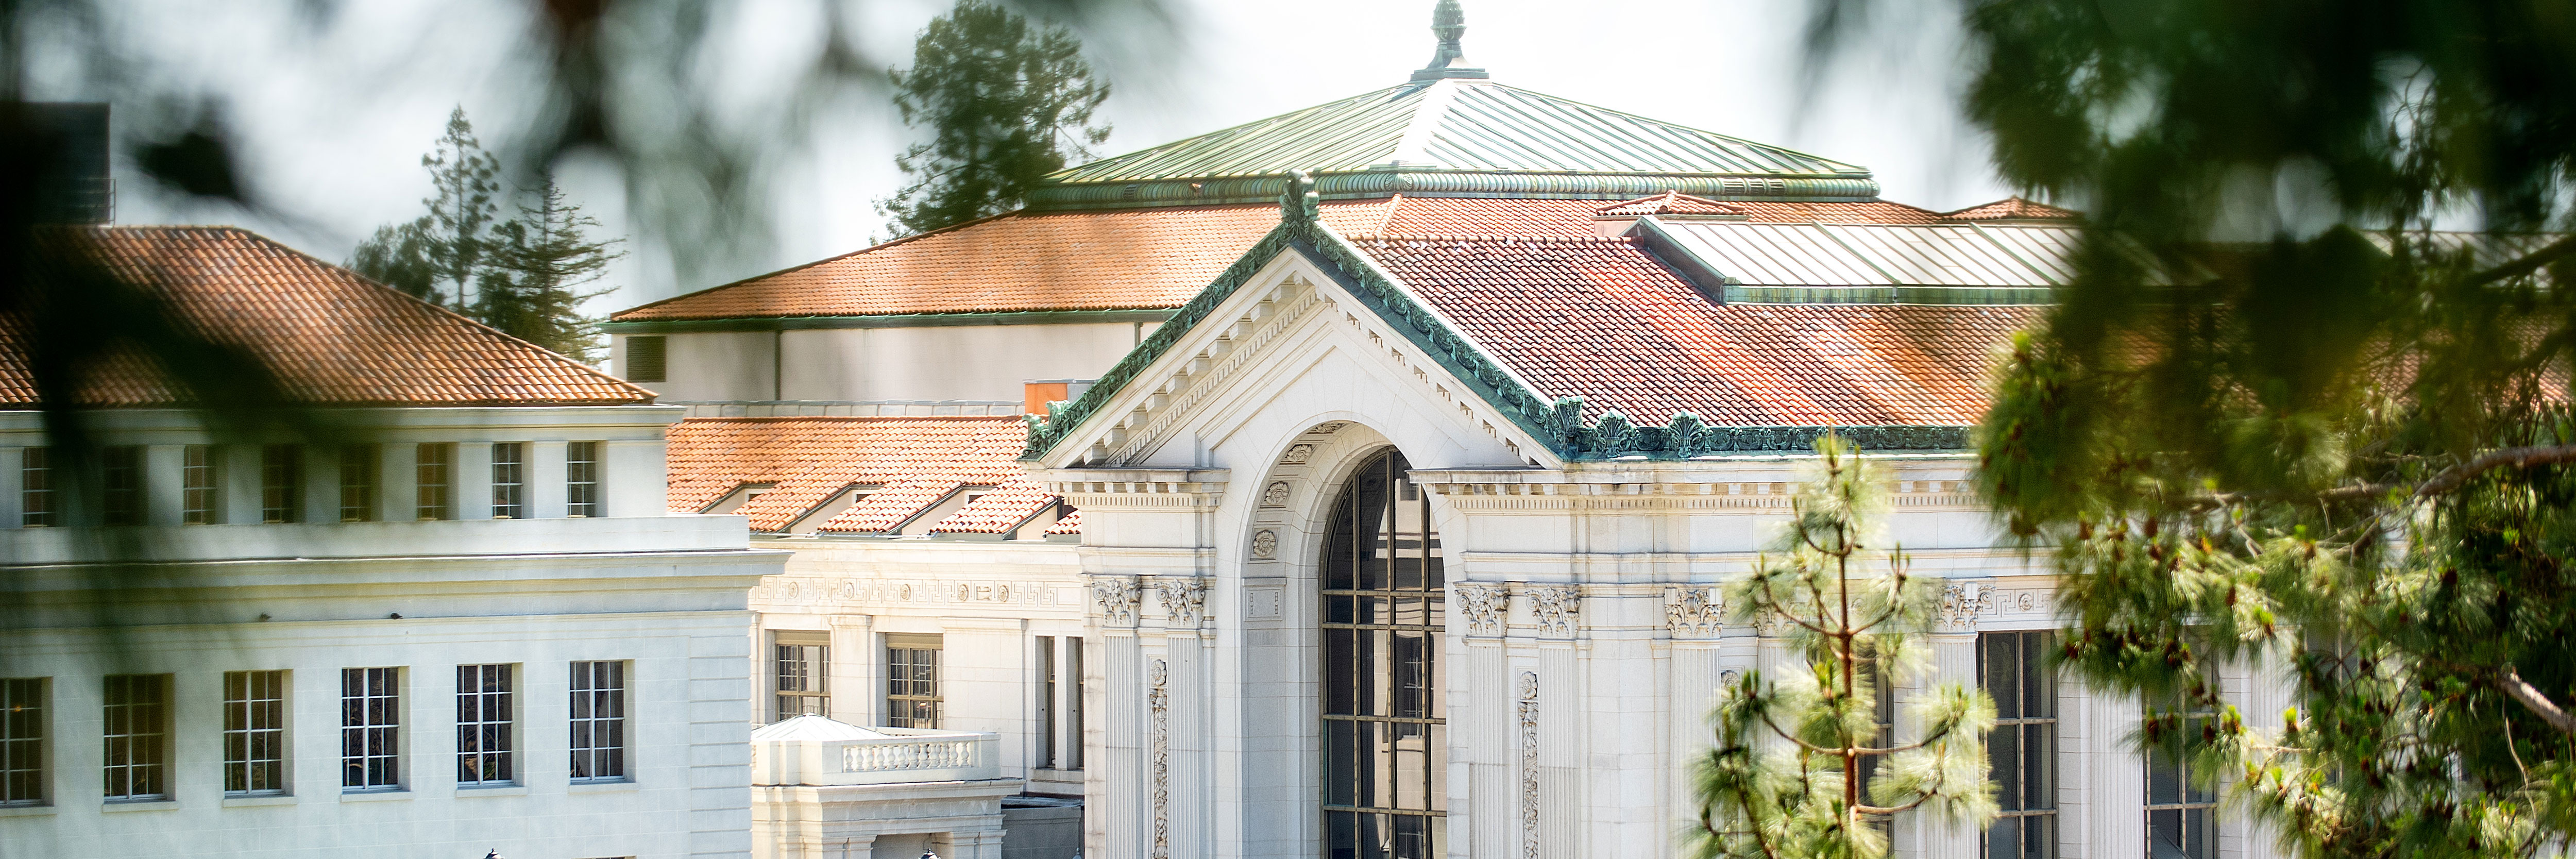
[
  {"x": 1694, "y": 610},
  {"x": 1114, "y": 599},
  {"x": 1184, "y": 599},
  {"x": 1557, "y": 608},
  {"x": 1483, "y": 607},
  {"x": 1962, "y": 602}
]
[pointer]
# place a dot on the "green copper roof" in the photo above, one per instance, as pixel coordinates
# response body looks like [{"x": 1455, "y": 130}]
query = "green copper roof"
[{"x": 1455, "y": 137}]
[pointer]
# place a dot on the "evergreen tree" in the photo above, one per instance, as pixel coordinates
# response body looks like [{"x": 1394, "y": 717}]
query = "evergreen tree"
[
  {"x": 2276, "y": 415},
  {"x": 1007, "y": 103},
  {"x": 1800, "y": 768},
  {"x": 443, "y": 250},
  {"x": 530, "y": 285}
]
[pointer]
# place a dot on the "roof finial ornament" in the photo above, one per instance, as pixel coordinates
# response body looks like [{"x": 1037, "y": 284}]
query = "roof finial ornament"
[{"x": 1448, "y": 22}]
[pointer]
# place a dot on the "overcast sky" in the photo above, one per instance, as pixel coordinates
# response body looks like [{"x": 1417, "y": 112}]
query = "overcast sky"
[{"x": 338, "y": 124}]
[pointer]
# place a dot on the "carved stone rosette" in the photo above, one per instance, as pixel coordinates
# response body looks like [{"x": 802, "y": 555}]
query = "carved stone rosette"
[
  {"x": 1159, "y": 700},
  {"x": 1482, "y": 606},
  {"x": 1696, "y": 610},
  {"x": 1558, "y": 608},
  {"x": 1962, "y": 603},
  {"x": 1529, "y": 765},
  {"x": 1184, "y": 599},
  {"x": 1116, "y": 597}
]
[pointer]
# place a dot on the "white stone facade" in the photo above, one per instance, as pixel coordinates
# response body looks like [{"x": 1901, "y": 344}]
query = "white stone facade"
[
  {"x": 650, "y": 605},
  {"x": 923, "y": 362}
]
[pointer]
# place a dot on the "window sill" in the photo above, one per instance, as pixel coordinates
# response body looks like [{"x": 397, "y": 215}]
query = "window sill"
[
  {"x": 255, "y": 801},
  {"x": 466, "y": 790},
  {"x": 625, "y": 786},
  {"x": 374, "y": 795},
  {"x": 26, "y": 810},
  {"x": 140, "y": 805}
]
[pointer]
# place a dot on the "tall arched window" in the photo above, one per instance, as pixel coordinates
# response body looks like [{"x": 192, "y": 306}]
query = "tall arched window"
[{"x": 1385, "y": 733}]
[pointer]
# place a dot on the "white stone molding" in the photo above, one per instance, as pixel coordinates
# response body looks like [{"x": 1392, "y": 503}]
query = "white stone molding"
[
  {"x": 1189, "y": 384},
  {"x": 1159, "y": 701},
  {"x": 1962, "y": 603},
  {"x": 1696, "y": 610},
  {"x": 1184, "y": 598},
  {"x": 1265, "y": 544},
  {"x": 1298, "y": 454},
  {"x": 1276, "y": 495},
  {"x": 1116, "y": 596},
  {"x": 1557, "y": 608},
  {"x": 1483, "y": 607},
  {"x": 1529, "y": 765}
]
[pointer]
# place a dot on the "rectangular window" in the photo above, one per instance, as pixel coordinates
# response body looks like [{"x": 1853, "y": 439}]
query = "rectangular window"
[
  {"x": 137, "y": 734},
  {"x": 281, "y": 483},
  {"x": 483, "y": 720},
  {"x": 599, "y": 721},
  {"x": 254, "y": 732},
  {"x": 198, "y": 490},
  {"x": 509, "y": 499},
  {"x": 2181, "y": 807},
  {"x": 36, "y": 496},
  {"x": 1073, "y": 704},
  {"x": 646, "y": 359},
  {"x": 2023, "y": 747},
  {"x": 581, "y": 479},
  {"x": 1046, "y": 702},
  {"x": 121, "y": 484},
  {"x": 435, "y": 469},
  {"x": 801, "y": 666},
  {"x": 1876, "y": 676},
  {"x": 22, "y": 741},
  {"x": 359, "y": 464},
  {"x": 370, "y": 729},
  {"x": 912, "y": 681}
]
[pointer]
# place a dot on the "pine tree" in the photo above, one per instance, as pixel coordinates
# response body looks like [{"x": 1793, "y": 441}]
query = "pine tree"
[
  {"x": 1800, "y": 767},
  {"x": 1007, "y": 104},
  {"x": 442, "y": 250},
  {"x": 530, "y": 285}
]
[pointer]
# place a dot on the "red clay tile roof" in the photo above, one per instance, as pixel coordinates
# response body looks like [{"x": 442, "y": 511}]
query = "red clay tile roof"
[
  {"x": 2011, "y": 208},
  {"x": 1668, "y": 203},
  {"x": 1000, "y": 510},
  {"x": 1070, "y": 524},
  {"x": 1134, "y": 258},
  {"x": 807, "y": 460},
  {"x": 1600, "y": 319},
  {"x": 330, "y": 336}
]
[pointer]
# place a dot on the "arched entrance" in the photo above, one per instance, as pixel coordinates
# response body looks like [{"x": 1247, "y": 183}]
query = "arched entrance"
[{"x": 1385, "y": 726}]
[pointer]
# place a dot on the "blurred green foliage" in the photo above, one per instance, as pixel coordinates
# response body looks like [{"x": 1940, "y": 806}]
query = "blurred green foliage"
[{"x": 1007, "y": 103}]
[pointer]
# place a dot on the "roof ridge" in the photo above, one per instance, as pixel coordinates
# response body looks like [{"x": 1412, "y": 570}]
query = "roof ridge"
[
  {"x": 752, "y": 418},
  {"x": 829, "y": 259},
  {"x": 1441, "y": 237}
]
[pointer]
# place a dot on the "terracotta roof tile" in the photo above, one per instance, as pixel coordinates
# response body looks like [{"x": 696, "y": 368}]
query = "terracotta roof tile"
[
  {"x": 1070, "y": 524},
  {"x": 1000, "y": 510},
  {"x": 891, "y": 507},
  {"x": 808, "y": 459},
  {"x": 331, "y": 337},
  {"x": 1668, "y": 203},
  {"x": 1601, "y": 319},
  {"x": 1134, "y": 258},
  {"x": 2010, "y": 209}
]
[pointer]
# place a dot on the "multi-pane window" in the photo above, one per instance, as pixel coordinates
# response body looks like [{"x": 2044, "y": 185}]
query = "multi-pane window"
[
  {"x": 1385, "y": 726},
  {"x": 800, "y": 664},
  {"x": 434, "y": 469},
  {"x": 645, "y": 358},
  {"x": 509, "y": 476},
  {"x": 1046, "y": 701},
  {"x": 281, "y": 483},
  {"x": 36, "y": 495},
  {"x": 120, "y": 472},
  {"x": 2181, "y": 806},
  {"x": 254, "y": 732},
  {"x": 370, "y": 728},
  {"x": 2023, "y": 747},
  {"x": 358, "y": 469},
  {"x": 581, "y": 479},
  {"x": 1073, "y": 704},
  {"x": 199, "y": 493},
  {"x": 912, "y": 681},
  {"x": 22, "y": 741},
  {"x": 1876, "y": 676},
  {"x": 483, "y": 721},
  {"x": 136, "y": 730},
  {"x": 599, "y": 721}
]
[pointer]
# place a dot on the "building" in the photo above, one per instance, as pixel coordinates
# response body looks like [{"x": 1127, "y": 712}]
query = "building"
[
  {"x": 446, "y": 612},
  {"x": 1412, "y": 437}
]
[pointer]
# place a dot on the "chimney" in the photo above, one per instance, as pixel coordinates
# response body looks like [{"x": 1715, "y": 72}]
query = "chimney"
[{"x": 64, "y": 149}]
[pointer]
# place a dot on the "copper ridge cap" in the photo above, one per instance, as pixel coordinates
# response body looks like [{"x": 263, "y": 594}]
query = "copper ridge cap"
[{"x": 1448, "y": 22}]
